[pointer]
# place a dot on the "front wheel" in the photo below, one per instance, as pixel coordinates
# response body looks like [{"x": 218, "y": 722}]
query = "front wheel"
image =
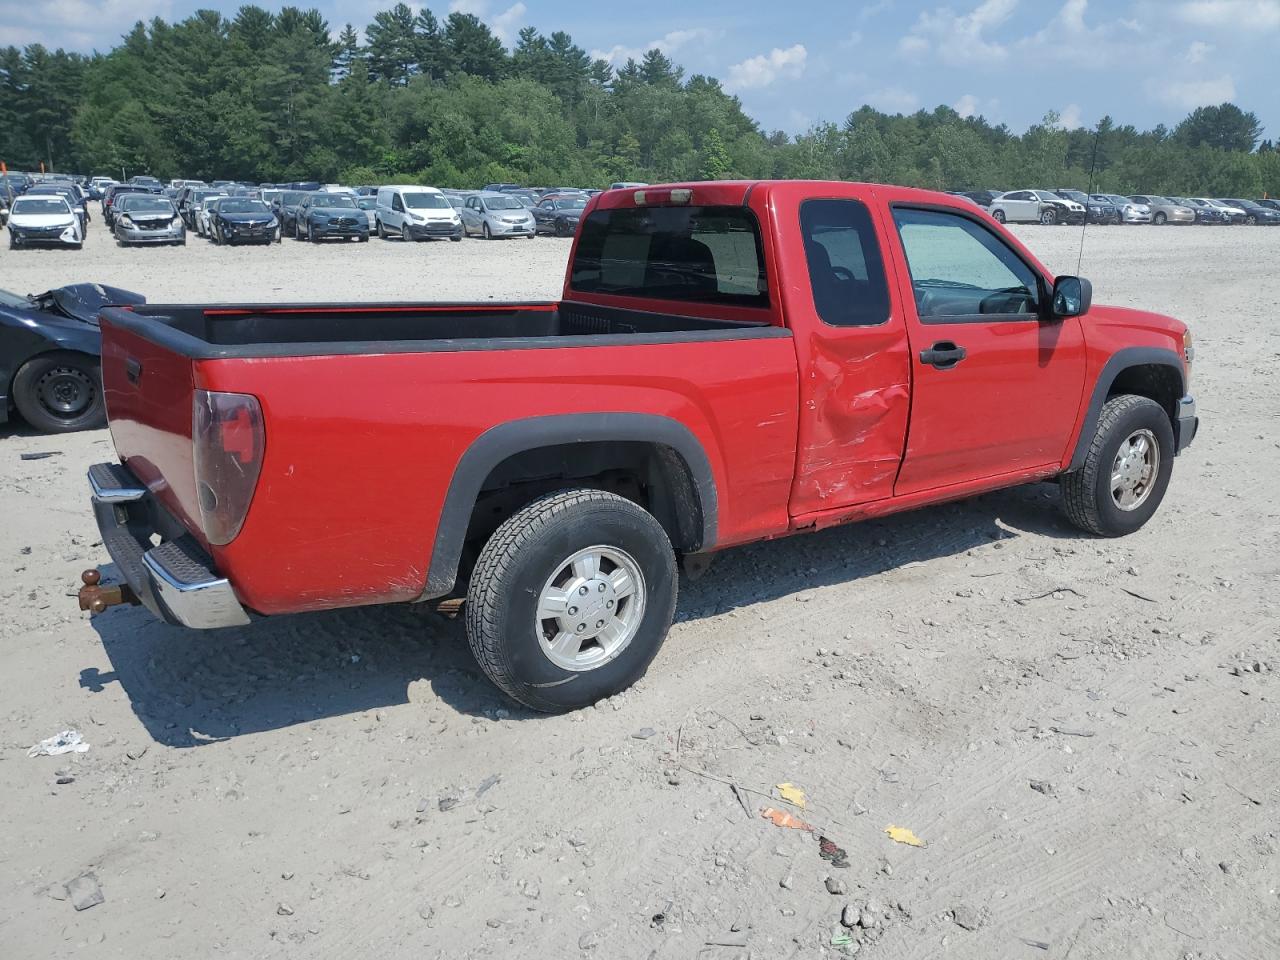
[
  {"x": 571, "y": 599},
  {"x": 998, "y": 215},
  {"x": 59, "y": 392},
  {"x": 1126, "y": 471},
  {"x": 1159, "y": 219},
  {"x": 486, "y": 232},
  {"x": 1049, "y": 217}
]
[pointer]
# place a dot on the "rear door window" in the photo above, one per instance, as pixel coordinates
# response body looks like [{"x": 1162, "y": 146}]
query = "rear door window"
[
  {"x": 698, "y": 254},
  {"x": 846, "y": 270}
]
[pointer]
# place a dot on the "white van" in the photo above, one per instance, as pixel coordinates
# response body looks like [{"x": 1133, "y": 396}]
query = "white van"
[{"x": 416, "y": 213}]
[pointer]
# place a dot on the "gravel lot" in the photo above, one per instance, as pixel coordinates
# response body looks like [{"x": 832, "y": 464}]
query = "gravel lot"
[{"x": 1084, "y": 733}]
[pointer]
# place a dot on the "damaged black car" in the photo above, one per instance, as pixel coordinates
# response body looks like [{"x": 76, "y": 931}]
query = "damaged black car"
[{"x": 49, "y": 355}]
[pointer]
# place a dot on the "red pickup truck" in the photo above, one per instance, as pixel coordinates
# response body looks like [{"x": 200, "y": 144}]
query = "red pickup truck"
[{"x": 730, "y": 362}]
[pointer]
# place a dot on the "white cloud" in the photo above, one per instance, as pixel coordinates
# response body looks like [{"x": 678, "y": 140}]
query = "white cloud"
[
  {"x": 1236, "y": 14},
  {"x": 1069, "y": 118},
  {"x": 1198, "y": 50},
  {"x": 505, "y": 25},
  {"x": 668, "y": 44},
  {"x": 893, "y": 100},
  {"x": 959, "y": 38},
  {"x": 966, "y": 106},
  {"x": 1193, "y": 93},
  {"x": 75, "y": 24},
  {"x": 1068, "y": 38},
  {"x": 765, "y": 69}
]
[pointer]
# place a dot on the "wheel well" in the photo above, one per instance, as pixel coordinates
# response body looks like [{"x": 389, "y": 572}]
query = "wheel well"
[
  {"x": 652, "y": 475},
  {"x": 1156, "y": 381}
]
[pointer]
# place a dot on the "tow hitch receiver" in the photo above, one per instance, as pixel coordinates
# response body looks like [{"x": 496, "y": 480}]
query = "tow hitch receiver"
[{"x": 96, "y": 598}]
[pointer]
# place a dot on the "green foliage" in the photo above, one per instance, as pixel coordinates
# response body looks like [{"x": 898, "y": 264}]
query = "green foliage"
[{"x": 271, "y": 97}]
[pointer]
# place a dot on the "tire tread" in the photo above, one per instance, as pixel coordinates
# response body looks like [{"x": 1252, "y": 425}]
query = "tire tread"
[{"x": 1079, "y": 487}]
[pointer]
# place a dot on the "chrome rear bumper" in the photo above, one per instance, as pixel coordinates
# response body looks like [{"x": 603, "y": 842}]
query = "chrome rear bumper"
[{"x": 175, "y": 579}]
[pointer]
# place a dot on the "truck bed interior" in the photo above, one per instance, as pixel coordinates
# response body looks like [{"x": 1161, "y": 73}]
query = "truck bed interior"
[{"x": 266, "y": 330}]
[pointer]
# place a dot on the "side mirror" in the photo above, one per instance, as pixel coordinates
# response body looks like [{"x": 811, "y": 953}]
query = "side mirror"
[{"x": 1072, "y": 296}]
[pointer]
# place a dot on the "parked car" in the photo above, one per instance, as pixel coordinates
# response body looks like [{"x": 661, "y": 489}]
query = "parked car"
[
  {"x": 529, "y": 458},
  {"x": 1206, "y": 213},
  {"x": 983, "y": 198},
  {"x": 626, "y": 185},
  {"x": 559, "y": 217},
  {"x": 147, "y": 218},
  {"x": 1233, "y": 214},
  {"x": 499, "y": 187},
  {"x": 1165, "y": 209},
  {"x": 242, "y": 220},
  {"x": 324, "y": 216},
  {"x": 66, "y": 190},
  {"x": 98, "y": 187},
  {"x": 49, "y": 346},
  {"x": 369, "y": 204},
  {"x": 1269, "y": 202},
  {"x": 203, "y": 208},
  {"x": 4, "y": 210},
  {"x": 415, "y": 213},
  {"x": 1099, "y": 211},
  {"x": 196, "y": 201},
  {"x": 1035, "y": 206},
  {"x": 148, "y": 183},
  {"x": 287, "y": 210},
  {"x": 496, "y": 215},
  {"x": 1130, "y": 211},
  {"x": 1254, "y": 213},
  {"x": 45, "y": 219},
  {"x": 14, "y": 184}
]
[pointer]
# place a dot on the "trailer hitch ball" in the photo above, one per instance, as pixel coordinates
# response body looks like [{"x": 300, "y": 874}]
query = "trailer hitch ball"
[{"x": 96, "y": 598}]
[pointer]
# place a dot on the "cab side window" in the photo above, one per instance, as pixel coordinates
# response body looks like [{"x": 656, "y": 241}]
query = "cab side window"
[
  {"x": 959, "y": 268},
  {"x": 846, "y": 270},
  {"x": 396, "y": 203}
]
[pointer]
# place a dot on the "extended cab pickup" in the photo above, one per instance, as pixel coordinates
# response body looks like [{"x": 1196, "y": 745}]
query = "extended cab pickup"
[{"x": 729, "y": 362}]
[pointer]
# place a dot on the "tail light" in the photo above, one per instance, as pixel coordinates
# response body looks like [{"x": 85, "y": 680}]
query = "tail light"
[{"x": 229, "y": 440}]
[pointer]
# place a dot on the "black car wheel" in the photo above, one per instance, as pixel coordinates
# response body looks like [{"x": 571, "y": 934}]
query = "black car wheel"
[
  {"x": 382, "y": 231},
  {"x": 1159, "y": 219},
  {"x": 311, "y": 233},
  {"x": 59, "y": 392},
  {"x": 1049, "y": 217},
  {"x": 486, "y": 232},
  {"x": 998, "y": 215},
  {"x": 562, "y": 228}
]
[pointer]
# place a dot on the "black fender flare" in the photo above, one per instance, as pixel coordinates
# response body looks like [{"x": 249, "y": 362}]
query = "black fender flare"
[
  {"x": 519, "y": 436},
  {"x": 1120, "y": 361}
]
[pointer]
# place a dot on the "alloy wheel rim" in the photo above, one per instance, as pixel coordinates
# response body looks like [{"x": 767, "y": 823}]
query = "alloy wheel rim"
[
  {"x": 1134, "y": 470},
  {"x": 65, "y": 392},
  {"x": 590, "y": 608}
]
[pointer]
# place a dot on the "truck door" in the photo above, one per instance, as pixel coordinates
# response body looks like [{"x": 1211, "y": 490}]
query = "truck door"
[
  {"x": 854, "y": 365},
  {"x": 996, "y": 386}
]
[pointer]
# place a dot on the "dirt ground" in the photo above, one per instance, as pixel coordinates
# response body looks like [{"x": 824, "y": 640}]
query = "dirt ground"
[{"x": 1083, "y": 733}]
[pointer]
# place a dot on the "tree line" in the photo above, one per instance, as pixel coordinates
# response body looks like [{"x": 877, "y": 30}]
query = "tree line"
[{"x": 272, "y": 97}]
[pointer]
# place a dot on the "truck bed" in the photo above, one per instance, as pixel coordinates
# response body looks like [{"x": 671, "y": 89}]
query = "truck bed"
[{"x": 276, "y": 330}]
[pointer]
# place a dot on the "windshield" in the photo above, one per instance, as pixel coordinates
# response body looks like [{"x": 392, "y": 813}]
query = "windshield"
[
  {"x": 199, "y": 195},
  {"x": 242, "y": 206},
  {"x": 570, "y": 204},
  {"x": 456, "y": 202},
  {"x": 13, "y": 300},
  {"x": 367, "y": 203},
  {"x": 40, "y": 205},
  {"x": 290, "y": 197},
  {"x": 333, "y": 202},
  {"x": 145, "y": 204},
  {"x": 425, "y": 201},
  {"x": 1075, "y": 195},
  {"x": 503, "y": 203}
]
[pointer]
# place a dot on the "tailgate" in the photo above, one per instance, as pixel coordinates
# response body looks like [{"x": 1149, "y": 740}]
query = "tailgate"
[{"x": 148, "y": 393}]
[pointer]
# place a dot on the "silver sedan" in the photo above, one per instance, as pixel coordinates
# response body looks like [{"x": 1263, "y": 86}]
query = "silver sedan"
[{"x": 146, "y": 218}]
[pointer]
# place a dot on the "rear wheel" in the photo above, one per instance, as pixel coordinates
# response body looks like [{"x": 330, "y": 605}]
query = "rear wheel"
[
  {"x": 571, "y": 599},
  {"x": 1126, "y": 470},
  {"x": 60, "y": 392}
]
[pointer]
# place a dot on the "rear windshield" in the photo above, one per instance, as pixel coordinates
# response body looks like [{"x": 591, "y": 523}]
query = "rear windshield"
[{"x": 702, "y": 254}]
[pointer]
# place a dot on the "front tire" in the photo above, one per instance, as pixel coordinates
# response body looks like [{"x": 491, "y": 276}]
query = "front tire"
[
  {"x": 486, "y": 232},
  {"x": 59, "y": 392},
  {"x": 1126, "y": 470},
  {"x": 998, "y": 215},
  {"x": 1049, "y": 217},
  {"x": 571, "y": 599},
  {"x": 1160, "y": 219}
]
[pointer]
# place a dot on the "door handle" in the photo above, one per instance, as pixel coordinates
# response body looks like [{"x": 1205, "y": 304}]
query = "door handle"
[{"x": 944, "y": 355}]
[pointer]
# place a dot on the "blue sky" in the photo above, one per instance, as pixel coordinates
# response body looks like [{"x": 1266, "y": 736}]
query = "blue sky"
[{"x": 1141, "y": 61}]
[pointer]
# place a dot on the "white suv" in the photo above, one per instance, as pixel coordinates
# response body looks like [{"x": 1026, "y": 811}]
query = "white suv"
[{"x": 416, "y": 213}]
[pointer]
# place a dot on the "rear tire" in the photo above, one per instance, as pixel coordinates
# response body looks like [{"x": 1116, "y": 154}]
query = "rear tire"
[
  {"x": 60, "y": 391},
  {"x": 526, "y": 567},
  {"x": 1089, "y": 495}
]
